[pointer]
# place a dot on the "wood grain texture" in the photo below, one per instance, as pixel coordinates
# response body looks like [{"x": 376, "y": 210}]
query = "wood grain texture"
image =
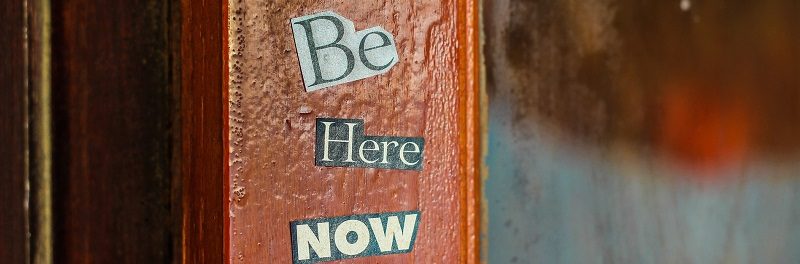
[
  {"x": 112, "y": 102},
  {"x": 40, "y": 151},
  {"x": 430, "y": 92},
  {"x": 203, "y": 131},
  {"x": 13, "y": 133}
]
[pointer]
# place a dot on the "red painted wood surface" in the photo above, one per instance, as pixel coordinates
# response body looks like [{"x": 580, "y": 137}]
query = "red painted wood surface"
[
  {"x": 431, "y": 92},
  {"x": 13, "y": 139}
]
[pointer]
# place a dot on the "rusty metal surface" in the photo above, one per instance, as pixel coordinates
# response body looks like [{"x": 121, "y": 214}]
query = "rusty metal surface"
[
  {"x": 273, "y": 179},
  {"x": 643, "y": 131}
]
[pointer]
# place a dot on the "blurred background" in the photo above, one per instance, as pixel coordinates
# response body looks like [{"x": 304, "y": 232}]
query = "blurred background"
[{"x": 626, "y": 131}]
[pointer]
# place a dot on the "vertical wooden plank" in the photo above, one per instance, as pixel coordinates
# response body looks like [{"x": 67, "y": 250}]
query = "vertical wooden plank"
[
  {"x": 203, "y": 131},
  {"x": 112, "y": 102},
  {"x": 40, "y": 132},
  {"x": 431, "y": 92},
  {"x": 13, "y": 133},
  {"x": 474, "y": 141}
]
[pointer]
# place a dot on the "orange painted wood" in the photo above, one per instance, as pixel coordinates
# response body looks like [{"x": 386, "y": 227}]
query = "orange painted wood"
[{"x": 432, "y": 92}]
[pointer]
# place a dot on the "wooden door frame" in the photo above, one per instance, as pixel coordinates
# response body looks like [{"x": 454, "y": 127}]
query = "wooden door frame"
[{"x": 203, "y": 114}]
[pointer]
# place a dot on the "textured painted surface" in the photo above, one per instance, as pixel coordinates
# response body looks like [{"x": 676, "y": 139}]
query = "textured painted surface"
[
  {"x": 643, "y": 131},
  {"x": 273, "y": 179}
]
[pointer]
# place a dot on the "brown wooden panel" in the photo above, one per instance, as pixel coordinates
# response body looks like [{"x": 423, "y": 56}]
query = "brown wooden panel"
[
  {"x": 203, "y": 158},
  {"x": 13, "y": 133},
  {"x": 112, "y": 116},
  {"x": 431, "y": 92}
]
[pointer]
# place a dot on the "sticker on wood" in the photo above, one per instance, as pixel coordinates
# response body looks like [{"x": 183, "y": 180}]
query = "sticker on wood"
[
  {"x": 326, "y": 239},
  {"x": 346, "y": 55},
  {"x": 342, "y": 143},
  {"x": 400, "y": 117}
]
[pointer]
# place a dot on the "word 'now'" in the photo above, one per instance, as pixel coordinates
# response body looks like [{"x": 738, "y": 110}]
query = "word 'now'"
[{"x": 327, "y": 239}]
